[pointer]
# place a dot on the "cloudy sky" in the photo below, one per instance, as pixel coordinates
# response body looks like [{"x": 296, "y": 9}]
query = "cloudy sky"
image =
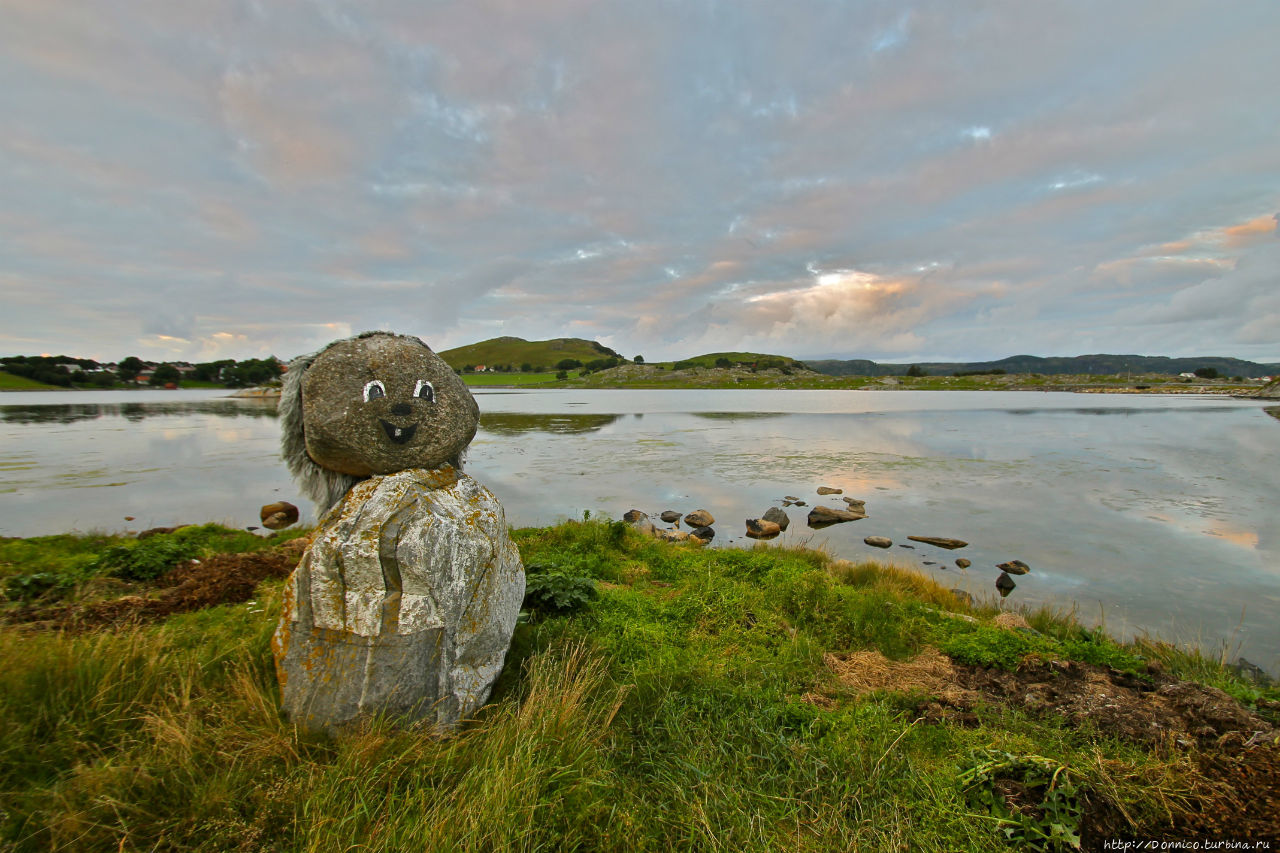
[{"x": 896, "y": 181}]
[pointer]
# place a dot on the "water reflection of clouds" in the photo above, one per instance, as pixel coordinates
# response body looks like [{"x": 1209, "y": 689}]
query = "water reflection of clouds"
[{"x": 513, "y": 423}]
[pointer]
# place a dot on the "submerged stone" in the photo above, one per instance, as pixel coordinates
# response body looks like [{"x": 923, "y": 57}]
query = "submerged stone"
[
  {"x": 940, "y": 541},
  {"x": 1015, "y": 567}
]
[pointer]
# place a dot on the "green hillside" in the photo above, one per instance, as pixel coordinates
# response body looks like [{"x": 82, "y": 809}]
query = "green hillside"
[
  {"x": 9, "y": 382},
  {"x": 745, "y": 359},
  {"x": 540, "y": 355}
]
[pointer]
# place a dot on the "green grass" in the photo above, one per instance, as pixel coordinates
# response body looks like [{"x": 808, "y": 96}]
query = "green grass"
[
  {"x": 663, "y": 712},
  {"x": 56, "y": 567},
  {"x": 9, "y": 382}
]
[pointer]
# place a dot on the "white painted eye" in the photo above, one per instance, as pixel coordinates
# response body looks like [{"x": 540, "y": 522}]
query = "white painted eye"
[
  {"x": 374, "y": 389},
  {"x": 425, "y": 390}
]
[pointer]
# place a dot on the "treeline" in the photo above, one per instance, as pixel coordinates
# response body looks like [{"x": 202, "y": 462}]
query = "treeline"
[
  {"x": 67, "y": 372},
  {"x": 48, "y": 369}
]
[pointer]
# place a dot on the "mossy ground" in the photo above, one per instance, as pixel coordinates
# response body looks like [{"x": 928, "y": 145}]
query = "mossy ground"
[{"x": 674, "y": 711}]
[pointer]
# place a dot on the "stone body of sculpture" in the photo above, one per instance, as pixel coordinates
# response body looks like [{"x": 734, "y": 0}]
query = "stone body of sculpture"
[{"x": 407, "y": 598}]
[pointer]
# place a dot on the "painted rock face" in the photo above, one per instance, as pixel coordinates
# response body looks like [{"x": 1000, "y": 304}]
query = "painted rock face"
[{"x": 384, "y": 403}]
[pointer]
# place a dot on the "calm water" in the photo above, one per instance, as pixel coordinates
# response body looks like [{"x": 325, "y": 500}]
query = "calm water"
[{"x": 1151, "y": 513}]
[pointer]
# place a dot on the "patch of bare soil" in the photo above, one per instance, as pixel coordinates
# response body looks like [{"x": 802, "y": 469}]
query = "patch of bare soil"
[
  {"x": 220, "y": 579},
  {"x": 1237, "y": 751}
]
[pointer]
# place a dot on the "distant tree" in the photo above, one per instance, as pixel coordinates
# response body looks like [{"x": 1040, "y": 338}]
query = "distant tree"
[
  {"x": 638, "y": 359},
  {"x": 164, "y": 374},
  {"x": 723, "y": 362},
  {"x": 103, "y": 379},
  {"x": 568, "y": 364},
  {"x": 915, "y": 370},
  {"x": 211, "y": 371},
  {"x": 526, "y": 367},
  {"x": 684, "y": 364},
  {"x": 1237, "y": 378},
  {"x": 468, "y": 368},
  {"x": 1207, "y": 372},
  {"x": 563, "y": 374},
  {"x": 130, "y": 367}
]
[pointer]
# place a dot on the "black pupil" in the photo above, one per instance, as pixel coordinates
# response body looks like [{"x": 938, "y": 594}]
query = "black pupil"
[
  {"x": 375, "y": 391},
  {"x": 425, "y": 393}
]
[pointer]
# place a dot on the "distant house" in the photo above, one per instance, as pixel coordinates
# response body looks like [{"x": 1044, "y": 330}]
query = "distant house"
[
  {"x": 480, "y": 368},
  {"x": 1186, "y": 376}
]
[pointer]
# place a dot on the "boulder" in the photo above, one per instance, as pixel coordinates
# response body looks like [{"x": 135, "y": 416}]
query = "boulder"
[
  {"x": 1015, "y": 567},
  {"x": 963, "y": 563},
  {"x": 777, "y": 516},
  {"x": 632, "y": 516},
  {"x": 382, "y": 403},
  {"x": 940, "y": 541},
  {"x": 699, "y": 518},
  {"x": 1005, "y": 584},
  {"x": 758, "y": 528},
  {"x": 706, "y": 534},
  {"x": 855, "y": 504},
  {"x": 670, "y": 516},
  {"x": 671, "y": 535},
  {"x": 791, "y": 498},
  {"x": 404, "y": 603},
  {"x": 278, "y": 515},
  {"x": 879, "y": 541},
  {"x": 829, "y": 490},
  {"x": 646, "y": 527},
  {"x": 824, "y": 516},
  {"x": 963, "y": 596}
]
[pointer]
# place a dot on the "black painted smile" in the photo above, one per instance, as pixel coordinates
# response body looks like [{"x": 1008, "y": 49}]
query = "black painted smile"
[{"x": 399, "y": 435}]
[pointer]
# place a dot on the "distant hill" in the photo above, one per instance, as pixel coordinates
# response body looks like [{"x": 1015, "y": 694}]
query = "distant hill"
[
  {"x": 1100, "y": 364},
  {"x": 737, "y": 358},
  {"x": 541, "y": 355}
]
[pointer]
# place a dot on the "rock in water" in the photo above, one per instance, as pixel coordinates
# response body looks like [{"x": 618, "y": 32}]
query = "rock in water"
[
  {"x": 963, "y": 563},
  {"x": 823, "y": 516},
  {"x": 1005, "y": 584},
  {"x": 879, "y": 541},
  {"x": 632, "y": 516},
  {"x": 758, "y": 528},
  {"x": 405, "y": 603},
  {"x": 1015, "y": 567},
  {"x": 670, "y": 516},
  {"x": 940, "y": 541},
  {"x": 706, "y": 534},
  {"x": 699, "y": 518},
  {"x": 778, "y": 517},
  {"x": 278, "y": 515},
  {"x": 829, "y": 490}
]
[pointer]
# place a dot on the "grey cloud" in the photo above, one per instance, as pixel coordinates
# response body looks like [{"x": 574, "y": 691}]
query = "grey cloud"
[{"x": 542, "y": 169}]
